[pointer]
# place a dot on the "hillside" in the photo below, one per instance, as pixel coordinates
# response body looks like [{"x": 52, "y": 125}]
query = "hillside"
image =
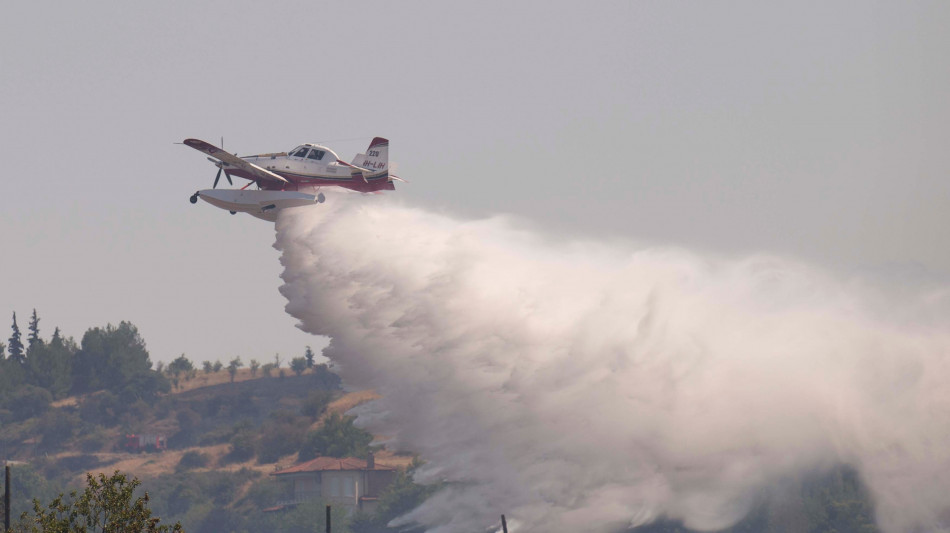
[{"x": 248, "y": 398}]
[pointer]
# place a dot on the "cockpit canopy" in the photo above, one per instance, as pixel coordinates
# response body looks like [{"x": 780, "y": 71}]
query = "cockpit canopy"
[{"x": 314, "y": 152}]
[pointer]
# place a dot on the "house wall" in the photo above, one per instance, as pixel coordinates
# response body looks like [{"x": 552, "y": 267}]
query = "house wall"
[
  {"x": 307, "y": 487},
  {"x": 342, "y": 487}
]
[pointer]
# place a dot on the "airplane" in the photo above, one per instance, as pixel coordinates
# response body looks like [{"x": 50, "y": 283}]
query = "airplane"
[{"x": 294, "y": 178}]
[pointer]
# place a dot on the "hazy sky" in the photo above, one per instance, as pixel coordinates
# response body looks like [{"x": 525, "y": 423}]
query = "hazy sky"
[{"x": 811, "y": 129}]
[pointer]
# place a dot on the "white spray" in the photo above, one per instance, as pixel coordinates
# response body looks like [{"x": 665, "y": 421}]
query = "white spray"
[{"x": 586, "y": 387}]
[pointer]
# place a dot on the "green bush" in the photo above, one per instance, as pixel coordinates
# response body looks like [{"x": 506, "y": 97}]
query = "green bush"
[
  {"x": 56, "y": 428},
  {"x": 242, "y": 446},
  {"x": 28, "y": 401},
  {"x": 282, "y": 434},
  {"x": 77, "y": 463},
  {"x": 94, "y": 439},
  {"x": 338, "y": 437},
  {"x": 192, "y": 459},
  {"x": 316, "y": 403}
]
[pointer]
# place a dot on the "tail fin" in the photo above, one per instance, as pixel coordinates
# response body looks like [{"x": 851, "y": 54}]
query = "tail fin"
[{"x": 376, "y": 157}]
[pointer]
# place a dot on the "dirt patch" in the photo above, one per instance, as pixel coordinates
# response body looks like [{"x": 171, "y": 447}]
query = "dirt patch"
[
  {"x": 351, "y": 400},
  {"x": 66, "y": 402},
  {"x": 146, "y": 465},
  {"x": 203, "y": 379}
]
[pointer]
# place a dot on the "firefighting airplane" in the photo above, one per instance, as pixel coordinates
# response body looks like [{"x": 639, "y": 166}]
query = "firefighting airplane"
[{"x": 294, "y": 178}]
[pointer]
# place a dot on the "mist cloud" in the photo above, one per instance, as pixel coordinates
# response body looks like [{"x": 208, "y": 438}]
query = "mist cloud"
[{"x": 586, "y": 386}]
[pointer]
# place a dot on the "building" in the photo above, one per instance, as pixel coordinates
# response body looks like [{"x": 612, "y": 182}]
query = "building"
[{"x": 350, "y": 482}]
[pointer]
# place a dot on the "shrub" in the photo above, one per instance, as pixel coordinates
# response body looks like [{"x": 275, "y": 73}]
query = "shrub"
[
  {"x": 56, "y": 428},
  {"x": 316, "y": 403},
  {"x": 94, "y": 440},
  {"x": 78, "y": 463},
  {"x": 281, "y": 434},
  {"x": 29, "y": 401},
  {"x": 192, "y": 459},
  {"x": 242, "y": 446}
]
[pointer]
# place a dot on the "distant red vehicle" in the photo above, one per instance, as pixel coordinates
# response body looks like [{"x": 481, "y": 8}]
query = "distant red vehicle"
[{"x": 145, "y": 443}]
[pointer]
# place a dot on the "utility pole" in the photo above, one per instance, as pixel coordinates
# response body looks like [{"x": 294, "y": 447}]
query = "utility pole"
[
  {"x": 6, "y": 499},
  {"x": 328, "y": 519}
]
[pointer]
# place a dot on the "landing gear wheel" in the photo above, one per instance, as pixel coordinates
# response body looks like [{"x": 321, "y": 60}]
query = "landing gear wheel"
[
  {"x": 233, "y": 212},
  {"x": 194, "y": 198},
  {"x": 321, "y": 198}
]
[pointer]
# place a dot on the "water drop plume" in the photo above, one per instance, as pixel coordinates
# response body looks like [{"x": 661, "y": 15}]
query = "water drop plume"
[{"x": 590, "y": 387}]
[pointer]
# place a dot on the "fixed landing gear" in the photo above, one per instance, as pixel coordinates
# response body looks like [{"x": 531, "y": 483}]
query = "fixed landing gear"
[
  {"x": 321, "y": 198},
  {"x": 194, "y": 198},
  {"x": 233, "y": 212}
]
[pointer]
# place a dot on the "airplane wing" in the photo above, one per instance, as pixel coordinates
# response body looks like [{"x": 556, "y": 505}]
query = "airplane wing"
[{"x": 233, "y": 160}]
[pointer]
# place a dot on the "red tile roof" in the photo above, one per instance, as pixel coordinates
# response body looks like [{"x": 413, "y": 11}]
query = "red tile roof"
[{"x": 323, "y": 464}]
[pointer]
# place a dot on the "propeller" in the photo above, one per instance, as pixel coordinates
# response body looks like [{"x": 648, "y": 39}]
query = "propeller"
[
  {"x": 221, "y": 168},
  {"x": 216, "y": 178}
]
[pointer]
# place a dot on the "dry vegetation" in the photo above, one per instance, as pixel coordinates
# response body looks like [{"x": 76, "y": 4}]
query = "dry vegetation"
[{"x": 154, "y": 464}]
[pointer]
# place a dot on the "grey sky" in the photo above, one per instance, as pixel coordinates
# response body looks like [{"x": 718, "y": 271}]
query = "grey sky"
[{"x": 811, "y": 129}]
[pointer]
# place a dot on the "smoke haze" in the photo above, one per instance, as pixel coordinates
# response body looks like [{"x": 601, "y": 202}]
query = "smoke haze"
[{"x": 589, "y": 387}]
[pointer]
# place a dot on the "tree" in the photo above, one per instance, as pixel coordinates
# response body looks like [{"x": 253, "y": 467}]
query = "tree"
[
  {"x": 338, "y": 437},
  {"x": 181, "y": 365},
  {"x": 34, "y": 328},
  {"x": 233, "y": 367},
  {"x": 49, "y": 365},
  {"x": 207, "y": 367},
  {"x": 16, "y": 345},
  {"x": 267, "y": 368},
  {"x": 298, "y": 365},
  {"x": 29, "y": 401},
  {"x": 308, "y": 355},
  {"x": 277, "y": 360},
  {"x": 108, "y": 505},
  {"x": 114, "y": 358},
  {"x": 217, "y": 366},
  {"x": 281, "y": 434},
  {"x": 254, "y": 366}
]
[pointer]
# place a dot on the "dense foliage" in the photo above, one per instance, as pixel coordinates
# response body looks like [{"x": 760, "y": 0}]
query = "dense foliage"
[
  {"x": 337, "y": 437},
  {"x": 107, "y": 505}
]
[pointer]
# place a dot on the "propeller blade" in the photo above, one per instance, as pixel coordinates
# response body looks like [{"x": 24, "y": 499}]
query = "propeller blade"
[
  {"x": 228, "y": 175},
  {"x": 216, "y": 178}
]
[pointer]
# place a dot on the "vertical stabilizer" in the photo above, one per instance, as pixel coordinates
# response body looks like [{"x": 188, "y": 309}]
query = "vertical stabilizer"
[{"x": 376, "y": 158}]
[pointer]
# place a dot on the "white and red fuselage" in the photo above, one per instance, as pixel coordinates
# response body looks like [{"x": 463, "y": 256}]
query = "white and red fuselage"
[{"x": 294, "y": 178}]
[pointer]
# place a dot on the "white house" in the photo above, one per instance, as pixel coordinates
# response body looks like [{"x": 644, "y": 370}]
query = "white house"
[{"x": 351, "y": 482}]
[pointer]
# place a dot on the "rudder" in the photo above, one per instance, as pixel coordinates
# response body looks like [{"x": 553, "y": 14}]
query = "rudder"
[{"x": 376, "y": 157}]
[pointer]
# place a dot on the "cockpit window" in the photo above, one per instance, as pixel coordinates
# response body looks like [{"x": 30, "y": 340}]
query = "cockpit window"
[
  {"x": 300, "y": 152},
  {"x": 316, "y": 154}
]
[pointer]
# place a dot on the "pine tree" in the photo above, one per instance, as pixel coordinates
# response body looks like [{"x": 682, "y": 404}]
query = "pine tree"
[
  {"x": 16, "y": 345},
  {"x": 56, "y": 339},
  {"x": 309, "y": 356},
  {"x": 34, "y": 330}
]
